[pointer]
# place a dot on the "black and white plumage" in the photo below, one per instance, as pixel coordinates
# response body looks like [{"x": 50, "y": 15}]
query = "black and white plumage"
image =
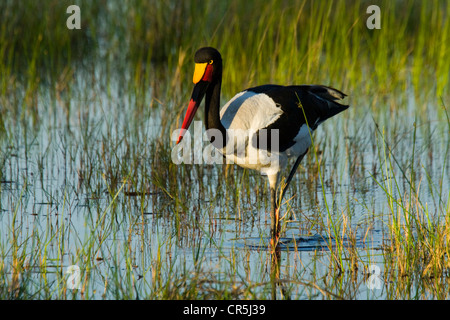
[{"x": 260, "y": 127}]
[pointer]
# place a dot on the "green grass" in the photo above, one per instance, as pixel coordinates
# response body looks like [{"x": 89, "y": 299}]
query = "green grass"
[{"x": 86, "y": 171}]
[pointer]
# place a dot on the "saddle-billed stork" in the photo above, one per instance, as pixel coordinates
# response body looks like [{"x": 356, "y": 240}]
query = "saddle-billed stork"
[{"x": 260, "y": 127}]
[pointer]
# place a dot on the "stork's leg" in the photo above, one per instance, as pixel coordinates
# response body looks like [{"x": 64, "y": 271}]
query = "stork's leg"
[
  {"x": 274, "y": 212},
  {"x": 291, "y": 174},
  {"x": 276, "y": 226}
]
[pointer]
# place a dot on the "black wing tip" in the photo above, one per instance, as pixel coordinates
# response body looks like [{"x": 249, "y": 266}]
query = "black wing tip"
[{"x": 330, "y": 92}]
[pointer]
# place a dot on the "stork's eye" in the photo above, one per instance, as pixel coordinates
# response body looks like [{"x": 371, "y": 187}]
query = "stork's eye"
[{"x": 210, "y": 61}]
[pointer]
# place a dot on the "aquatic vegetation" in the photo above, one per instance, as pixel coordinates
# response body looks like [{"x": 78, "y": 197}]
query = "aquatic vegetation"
[{"x": 87, "y": 179}]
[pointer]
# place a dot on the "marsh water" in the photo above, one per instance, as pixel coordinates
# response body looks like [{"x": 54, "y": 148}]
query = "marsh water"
[
  {"x": 87, "y": 179},
  {"x": 83, "y": 189}
]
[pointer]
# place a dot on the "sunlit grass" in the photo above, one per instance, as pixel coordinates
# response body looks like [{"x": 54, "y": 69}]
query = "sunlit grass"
[{"x": 86, "y": 117}]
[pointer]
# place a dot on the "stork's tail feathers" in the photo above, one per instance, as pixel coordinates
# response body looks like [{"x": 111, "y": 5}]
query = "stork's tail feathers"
[
  {"x": 327, "y": 93},
  {"x": 327, "y": 101}
]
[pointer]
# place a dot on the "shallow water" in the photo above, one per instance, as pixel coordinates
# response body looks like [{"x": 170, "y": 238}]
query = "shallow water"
[{"x": 93, "y": 185}]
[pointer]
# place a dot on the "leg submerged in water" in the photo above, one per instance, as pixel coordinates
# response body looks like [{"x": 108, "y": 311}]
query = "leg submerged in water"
[
  {"x": 274, "y": 214},
  {"x": 275, "y": 203}
]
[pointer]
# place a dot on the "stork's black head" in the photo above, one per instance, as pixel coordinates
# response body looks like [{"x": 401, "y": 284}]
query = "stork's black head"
[
  {"x": 208, "y": 69},
  {"x": 208, "y": 65},
  {"x": 207, "y": 54}
]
